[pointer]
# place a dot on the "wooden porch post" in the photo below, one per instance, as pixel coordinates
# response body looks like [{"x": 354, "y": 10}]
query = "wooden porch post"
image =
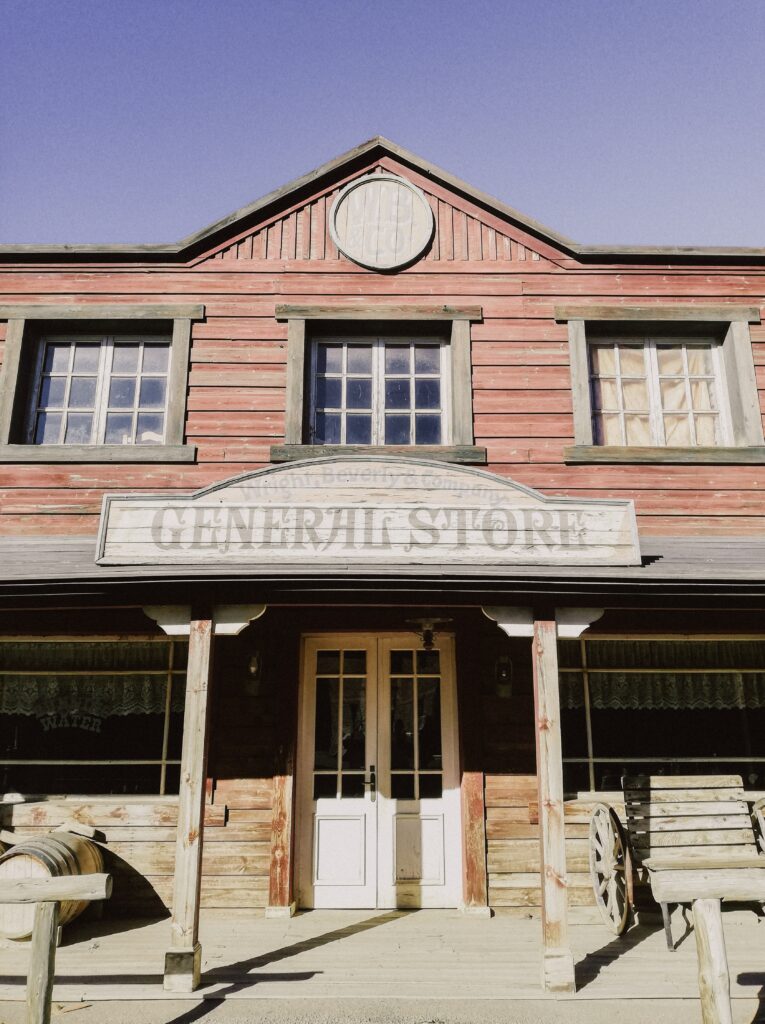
[
  {"x": 558, "y": 961},
  {"x": 558, "y": 965},
  {"x": 183, "y": 961}
]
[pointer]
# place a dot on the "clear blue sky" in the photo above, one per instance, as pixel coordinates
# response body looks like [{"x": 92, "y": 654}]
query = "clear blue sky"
[{"x": 610, "y": 121}]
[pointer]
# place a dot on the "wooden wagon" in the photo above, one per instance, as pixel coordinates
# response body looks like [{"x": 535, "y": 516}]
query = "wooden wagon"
[{"x": 688, "y": 837}]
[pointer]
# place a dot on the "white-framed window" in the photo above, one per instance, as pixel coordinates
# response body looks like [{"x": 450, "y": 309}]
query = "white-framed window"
[
  {"x": 99, "y": 390},
  {"x": 659, "y": 392},
  {"x": 379, "y": 391}
]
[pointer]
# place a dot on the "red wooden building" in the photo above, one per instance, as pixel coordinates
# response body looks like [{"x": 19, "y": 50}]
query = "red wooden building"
[{"x": 373, "y": 525}]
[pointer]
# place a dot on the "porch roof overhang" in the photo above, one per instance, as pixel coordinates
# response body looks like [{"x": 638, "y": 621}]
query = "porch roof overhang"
[{"x": 701, "y": 570}]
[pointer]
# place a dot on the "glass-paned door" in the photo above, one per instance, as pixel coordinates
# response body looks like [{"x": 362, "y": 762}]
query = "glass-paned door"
[{"x": 378, "y": 796}]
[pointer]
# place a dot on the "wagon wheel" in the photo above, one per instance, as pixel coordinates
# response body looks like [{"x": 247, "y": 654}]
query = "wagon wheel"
[
  {"x": 758, "y": 817},
  {"x": 610, "y": 868}
]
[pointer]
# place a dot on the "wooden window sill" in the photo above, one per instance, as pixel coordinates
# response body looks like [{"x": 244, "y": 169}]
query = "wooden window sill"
[
  {"x": 442, "y": 453},
  {"x": 97, "y": 453},
  {"x": 612, "y": 453}
]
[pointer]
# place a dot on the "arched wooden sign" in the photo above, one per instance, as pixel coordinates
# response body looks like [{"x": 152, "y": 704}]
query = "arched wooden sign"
[
  {"x": 381, "y": 221},
  {"x": 363, "y": 511}
]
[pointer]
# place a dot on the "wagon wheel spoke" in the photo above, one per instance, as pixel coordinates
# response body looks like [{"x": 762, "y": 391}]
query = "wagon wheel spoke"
[{"x": 609, "y": 868}]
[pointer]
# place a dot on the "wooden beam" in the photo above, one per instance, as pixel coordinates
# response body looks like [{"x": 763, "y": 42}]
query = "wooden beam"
[
  {"x": 558, "y": 961},
  {"x": 583, "y": 453},
  {"x": 56, "y": 888},
  {"x": 42, "y": 963},
  {"x": 97, "y": 311},
  {"x": 474, "y": 872},
  {"x": 373, "y": 311},
  {"x": 281, "y": 902},
  {"x": 183, "y": 959},
  {"x": 714, "y": 977},
  {"x": 699, "y": 312}
]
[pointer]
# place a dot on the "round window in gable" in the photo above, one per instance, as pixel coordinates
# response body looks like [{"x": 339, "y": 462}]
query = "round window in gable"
[{"x": 381, "y": 222}]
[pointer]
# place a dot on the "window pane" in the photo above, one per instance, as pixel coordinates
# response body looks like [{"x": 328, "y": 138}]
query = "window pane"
[
  {"x": 56, "y": 358},
  {"x": 431, "y": 787},
  {"x": 352, "y": 786},
  {"x": 329, "y": 358},
  {"x": 673, "y": 395},
  {"x": 79, "y": 427},
  {"x": 328, "y": 663},
  {"x": 155, "y": 358},
  {"x": 324, "y": 786},
  {"x": 358, "y": 393},
  {"x": 325, "y": 735},
  {"x": 329, "y": 391},
  {"x": 427, "y": 430},
  {"x": 603, "y": 359},
  {"x": 151, "y": 427},
  {"x": 354, "y": 723},
  {"x": 152, "y": 395},
  {"x": 359, "y": 359},
  {"x": 354, "y": 663},
  {"x": 86, "y": 358},
  {"x": 427, "y": 394},
  {"x": 428, "y": 663},
  {"x": 397, "y": 430},
  {"x": 427, "y": 359},
  {"x": 401, "y": 662},
  {"x": 402, "y": 787},
  {"x": 635, "y": 394},
  {"x": 397, "y": 394},
  {"x": 638, "y": 430},
  {"x": 707, "y": 429},
  {"x": 703, "y": 395},
  {"x": 48, "y": 428},
  {"x": 699, "y": 359},
  {"x": 327, "y": 429},
  {"x": 52, "y": 392},
  {"x": 401, "y": 724},
  {"x": 397, "y": 359},
  {"x": 358, "y": 430},
  {"x": 677, "y": 430},
  {"x": 122, "y": 392},
  {"x": 605, "y": 394},
  {"x": 632, "y": 360},
  {"x": 119, "y": 429},
  {"x": 125, "y": 358},
  {"x": 82, "y": 393},
  {"x": 670, "y": 359},
  {"x": 429, "y": 722},
  {"x": 608, "y": 430}
]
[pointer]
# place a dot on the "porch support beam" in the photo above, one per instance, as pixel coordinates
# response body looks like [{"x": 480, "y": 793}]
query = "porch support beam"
[
  {"x": 183, "y": 960},
  {"x": 544, "y": 628}
]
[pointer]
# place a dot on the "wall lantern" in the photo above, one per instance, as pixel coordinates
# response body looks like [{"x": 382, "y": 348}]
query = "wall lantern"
[
  {"x": 427, "y": 631},
  {"x": 503, "y": 676}
]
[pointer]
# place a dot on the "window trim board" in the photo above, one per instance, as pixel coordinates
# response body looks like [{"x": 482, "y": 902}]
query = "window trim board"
[
  {"x": 461, "y": 386},
  {"x": 18, "y": 334},
  {"x": 740, "y": 380}
]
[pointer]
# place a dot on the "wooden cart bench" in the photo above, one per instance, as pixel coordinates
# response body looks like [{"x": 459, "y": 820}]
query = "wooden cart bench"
[{"x": 692, "y": 839}]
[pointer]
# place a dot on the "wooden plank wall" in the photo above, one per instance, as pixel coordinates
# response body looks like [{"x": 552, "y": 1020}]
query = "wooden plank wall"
[{"x": 521, "y": 380}]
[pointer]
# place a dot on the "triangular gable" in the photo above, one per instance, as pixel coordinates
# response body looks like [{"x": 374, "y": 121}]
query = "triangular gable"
[{"x": 463, "y": 231}]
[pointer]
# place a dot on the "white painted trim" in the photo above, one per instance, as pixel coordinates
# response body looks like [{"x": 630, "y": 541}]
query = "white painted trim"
[
  {"x": 228, "y": 619},
  {"x": 513, "y": 621}
]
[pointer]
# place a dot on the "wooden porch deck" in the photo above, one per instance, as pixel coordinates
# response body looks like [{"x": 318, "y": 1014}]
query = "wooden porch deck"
[{"x": 427, "y": 954}]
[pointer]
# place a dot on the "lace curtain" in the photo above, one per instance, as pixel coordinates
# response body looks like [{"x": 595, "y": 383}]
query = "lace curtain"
[
  {"x": 704, "y": 689},
  {"x": 40, "y": 691}
]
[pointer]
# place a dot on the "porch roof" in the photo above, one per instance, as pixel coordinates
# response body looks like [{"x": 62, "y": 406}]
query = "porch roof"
[{"x": 728, "y": 562}]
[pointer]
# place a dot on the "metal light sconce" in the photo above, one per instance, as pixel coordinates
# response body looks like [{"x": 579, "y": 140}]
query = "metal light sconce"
[
  {"x": 427, "y": 631},
  {"x": 503, "y": 676}
]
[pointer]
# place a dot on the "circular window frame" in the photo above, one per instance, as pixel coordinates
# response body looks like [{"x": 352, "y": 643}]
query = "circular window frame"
[{"x": 358, "y": 182}]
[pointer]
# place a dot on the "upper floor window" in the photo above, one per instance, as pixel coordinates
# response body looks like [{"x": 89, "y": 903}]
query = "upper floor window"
[
  {"x": 91, "y": 389},
  {"x": 658, "y": 392},
  {"x": 379, "y": 391}
]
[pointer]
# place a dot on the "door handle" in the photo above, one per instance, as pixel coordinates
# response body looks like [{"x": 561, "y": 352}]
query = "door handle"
[{"x": 370, "y": 780}]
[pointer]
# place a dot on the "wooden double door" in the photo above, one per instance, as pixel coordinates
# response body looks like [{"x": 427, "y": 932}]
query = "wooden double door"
[{"x": 378, "y": 802}]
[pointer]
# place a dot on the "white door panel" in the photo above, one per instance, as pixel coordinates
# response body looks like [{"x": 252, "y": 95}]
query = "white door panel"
[{"x": 378, "y": 777}]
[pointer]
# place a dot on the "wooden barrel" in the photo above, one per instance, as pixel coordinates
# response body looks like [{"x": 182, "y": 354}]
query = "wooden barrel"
[{"x": 58, "y": 853}]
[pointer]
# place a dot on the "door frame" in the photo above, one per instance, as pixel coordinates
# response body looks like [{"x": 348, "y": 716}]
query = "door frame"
[{"x": 450, "y": 740}]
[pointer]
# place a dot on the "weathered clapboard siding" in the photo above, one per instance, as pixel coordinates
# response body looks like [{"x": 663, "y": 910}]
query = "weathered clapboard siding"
[{"x": 521, "y": 377}]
